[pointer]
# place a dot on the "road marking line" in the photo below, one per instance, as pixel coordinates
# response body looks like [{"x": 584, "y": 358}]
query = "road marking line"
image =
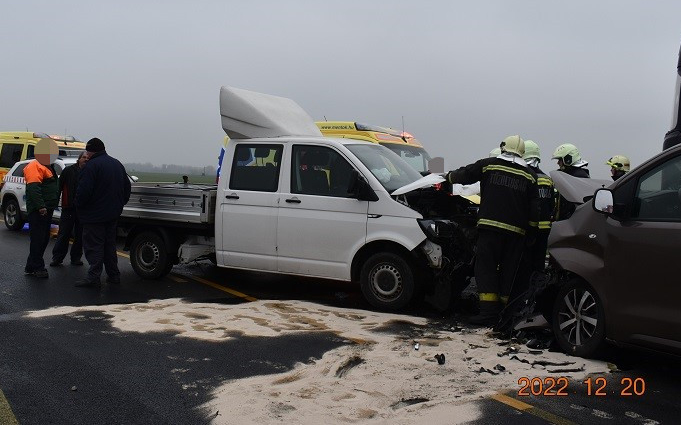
[
  {"x": 528, "y": 408},
  {"x": 6, "y": 414},
  {"x": 222, "y": 288},
  {"x": 205, "y": 282},
  {"x": 177, "y": 279}
]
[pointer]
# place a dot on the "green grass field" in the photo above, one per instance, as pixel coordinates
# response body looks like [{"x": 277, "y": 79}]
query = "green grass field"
[{"x": 171, "y": 178}]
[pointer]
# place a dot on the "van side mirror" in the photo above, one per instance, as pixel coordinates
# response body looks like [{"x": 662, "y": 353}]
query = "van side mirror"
[
  {"x": 359, "y": 188},
  {"x": 603, "y": 201}
]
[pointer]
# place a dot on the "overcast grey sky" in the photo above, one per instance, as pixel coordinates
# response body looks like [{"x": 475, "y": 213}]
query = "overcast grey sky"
[{"x": 144, "y": 76}]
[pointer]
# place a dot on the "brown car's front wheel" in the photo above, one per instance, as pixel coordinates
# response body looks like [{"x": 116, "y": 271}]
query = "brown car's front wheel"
[{"x": 578, "y": 319}]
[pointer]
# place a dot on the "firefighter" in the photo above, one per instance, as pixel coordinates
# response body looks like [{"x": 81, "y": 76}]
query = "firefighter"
[
  {"x": 570, "y": 162},
  {"x": 508, "y": 204},
  {"x": 619, "y": 166},
  {"x": 535, "y": 255}
]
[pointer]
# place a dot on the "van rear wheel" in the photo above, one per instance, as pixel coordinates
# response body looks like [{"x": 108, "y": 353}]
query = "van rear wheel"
[
  {"x": 149, "y": 256},
  {"x": 387, "y": 281},
  {"x": 13, "y": 219}
]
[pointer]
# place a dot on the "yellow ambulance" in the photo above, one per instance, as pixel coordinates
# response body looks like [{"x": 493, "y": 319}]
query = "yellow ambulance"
[
  {"x": 19, "y": 145},
  {"x": 402, "y": 143}
]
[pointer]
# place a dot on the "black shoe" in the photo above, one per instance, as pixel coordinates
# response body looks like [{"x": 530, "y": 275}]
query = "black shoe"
[
  {"x": 76, "y": 262},
  {"x": 38, "y": 273},
  {"x": 488, "y": 316},
  {"x": 55, "y": 263},
  {"x": 84, "y": 283}
]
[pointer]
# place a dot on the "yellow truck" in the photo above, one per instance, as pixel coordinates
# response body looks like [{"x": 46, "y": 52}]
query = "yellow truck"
[{"x": 400, "y": 142}]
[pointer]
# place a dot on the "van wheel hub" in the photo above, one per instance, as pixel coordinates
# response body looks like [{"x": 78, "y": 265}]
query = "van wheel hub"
[
  {"x": 148, "y": 255},
  {"x": 578, "y": 316},
  {"x": 386, "y": 281}
]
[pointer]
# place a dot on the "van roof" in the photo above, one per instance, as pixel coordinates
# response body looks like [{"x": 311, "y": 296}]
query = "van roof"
[
  {"x": 381, "y": 134},
  {"x": 247, "y": 115}
]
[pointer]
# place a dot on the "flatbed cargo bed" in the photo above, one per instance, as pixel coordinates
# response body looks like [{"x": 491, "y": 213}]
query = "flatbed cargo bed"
[{"x": 178, "y": 203}]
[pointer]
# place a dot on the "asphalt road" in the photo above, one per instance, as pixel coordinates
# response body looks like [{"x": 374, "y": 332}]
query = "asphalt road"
[{"x": 78, "y": 369}]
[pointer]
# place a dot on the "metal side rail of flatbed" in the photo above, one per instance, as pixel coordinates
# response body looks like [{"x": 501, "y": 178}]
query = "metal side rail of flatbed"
[{"x": 171, "y": 202}]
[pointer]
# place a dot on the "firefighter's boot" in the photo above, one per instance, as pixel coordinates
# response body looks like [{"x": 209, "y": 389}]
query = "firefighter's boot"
[{"x": 488, "y": 315}]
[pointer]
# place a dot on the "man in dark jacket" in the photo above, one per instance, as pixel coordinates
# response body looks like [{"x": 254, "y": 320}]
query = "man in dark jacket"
[
  {"x": 103, "y": 190},
  {"x": 42, "y": 197},
  {"x": 68, "y": 220},
  {"x": 508, "y": 191}
]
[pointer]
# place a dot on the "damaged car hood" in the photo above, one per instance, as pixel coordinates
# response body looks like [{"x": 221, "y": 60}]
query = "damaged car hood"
[
  {"x": 424, "y": 181},
  {"x": 470, "y": 192},
  {"x": 575, "y": 189}
]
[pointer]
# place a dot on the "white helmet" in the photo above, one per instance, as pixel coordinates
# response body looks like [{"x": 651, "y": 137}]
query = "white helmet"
[{"x": 495, "y": 152}]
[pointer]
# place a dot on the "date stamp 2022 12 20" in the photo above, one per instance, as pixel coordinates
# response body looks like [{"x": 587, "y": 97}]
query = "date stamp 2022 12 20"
[{"x": 592, "y": 386}]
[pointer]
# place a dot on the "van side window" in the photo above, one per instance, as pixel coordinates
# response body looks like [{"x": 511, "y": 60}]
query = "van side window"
[
  {"x": 318, "y": 170},
  {"x": 256, "y": 167},
  {"x": 10, "y": 154},
  {"x": 30, "y": 151},
  {"x": 19, "y": 172},
  {"x": 657, "y": 194}
]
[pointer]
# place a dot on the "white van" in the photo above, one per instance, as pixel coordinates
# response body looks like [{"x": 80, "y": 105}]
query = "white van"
[{"x": 292, "y": 201}]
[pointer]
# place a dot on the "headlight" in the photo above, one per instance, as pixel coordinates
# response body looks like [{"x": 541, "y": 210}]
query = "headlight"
[{"x": 437, "y": 229}]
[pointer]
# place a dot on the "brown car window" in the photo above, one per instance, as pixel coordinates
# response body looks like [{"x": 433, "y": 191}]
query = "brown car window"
[{"x": 657, "y": 195}]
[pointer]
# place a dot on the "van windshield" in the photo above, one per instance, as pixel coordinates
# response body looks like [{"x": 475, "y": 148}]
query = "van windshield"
[
  {"x": 415, "y": 156},
  {"x": 391, "y": 170}
]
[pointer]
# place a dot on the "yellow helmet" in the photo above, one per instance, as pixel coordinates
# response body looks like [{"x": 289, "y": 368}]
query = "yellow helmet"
[
  {"x": 568, "y": 153},
  {"x": 513, "y": 144},
  {"x": 531, "y": 150},
  {"x": 619, "y": 162},
  {"x": 495, "y": 152}
]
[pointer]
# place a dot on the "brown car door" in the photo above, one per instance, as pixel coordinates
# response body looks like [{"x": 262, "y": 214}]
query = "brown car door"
[{"x": 643, "y": 256}]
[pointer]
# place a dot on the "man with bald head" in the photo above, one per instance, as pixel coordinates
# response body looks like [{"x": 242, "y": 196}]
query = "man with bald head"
[{"x": 42, "y": 197}]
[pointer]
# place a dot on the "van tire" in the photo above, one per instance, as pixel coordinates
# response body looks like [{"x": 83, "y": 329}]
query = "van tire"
[
  {"x": 149, "y": 256},
  {"x": 12, "y": 215},
  {"x": 575, "y": 301},
  {"x": 387, "y": 281}
]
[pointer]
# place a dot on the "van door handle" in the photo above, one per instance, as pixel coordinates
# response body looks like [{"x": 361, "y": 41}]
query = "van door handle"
[
  {"x": 232, "y": 196},
  {"x": 293, "y": 201}
]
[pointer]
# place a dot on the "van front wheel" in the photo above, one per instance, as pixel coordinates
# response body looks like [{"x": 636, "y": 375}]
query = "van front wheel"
[{"x": 387, "y": 281}]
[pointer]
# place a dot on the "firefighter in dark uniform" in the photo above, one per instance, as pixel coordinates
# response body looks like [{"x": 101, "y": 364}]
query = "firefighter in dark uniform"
[
  {"x": 508, "y": 191},
  {"x": 535, "y": 255},
  {"x": 570, "y": 162}
]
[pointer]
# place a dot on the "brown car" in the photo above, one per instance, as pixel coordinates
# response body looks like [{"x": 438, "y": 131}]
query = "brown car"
[{"x": 619, "y": 262}]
